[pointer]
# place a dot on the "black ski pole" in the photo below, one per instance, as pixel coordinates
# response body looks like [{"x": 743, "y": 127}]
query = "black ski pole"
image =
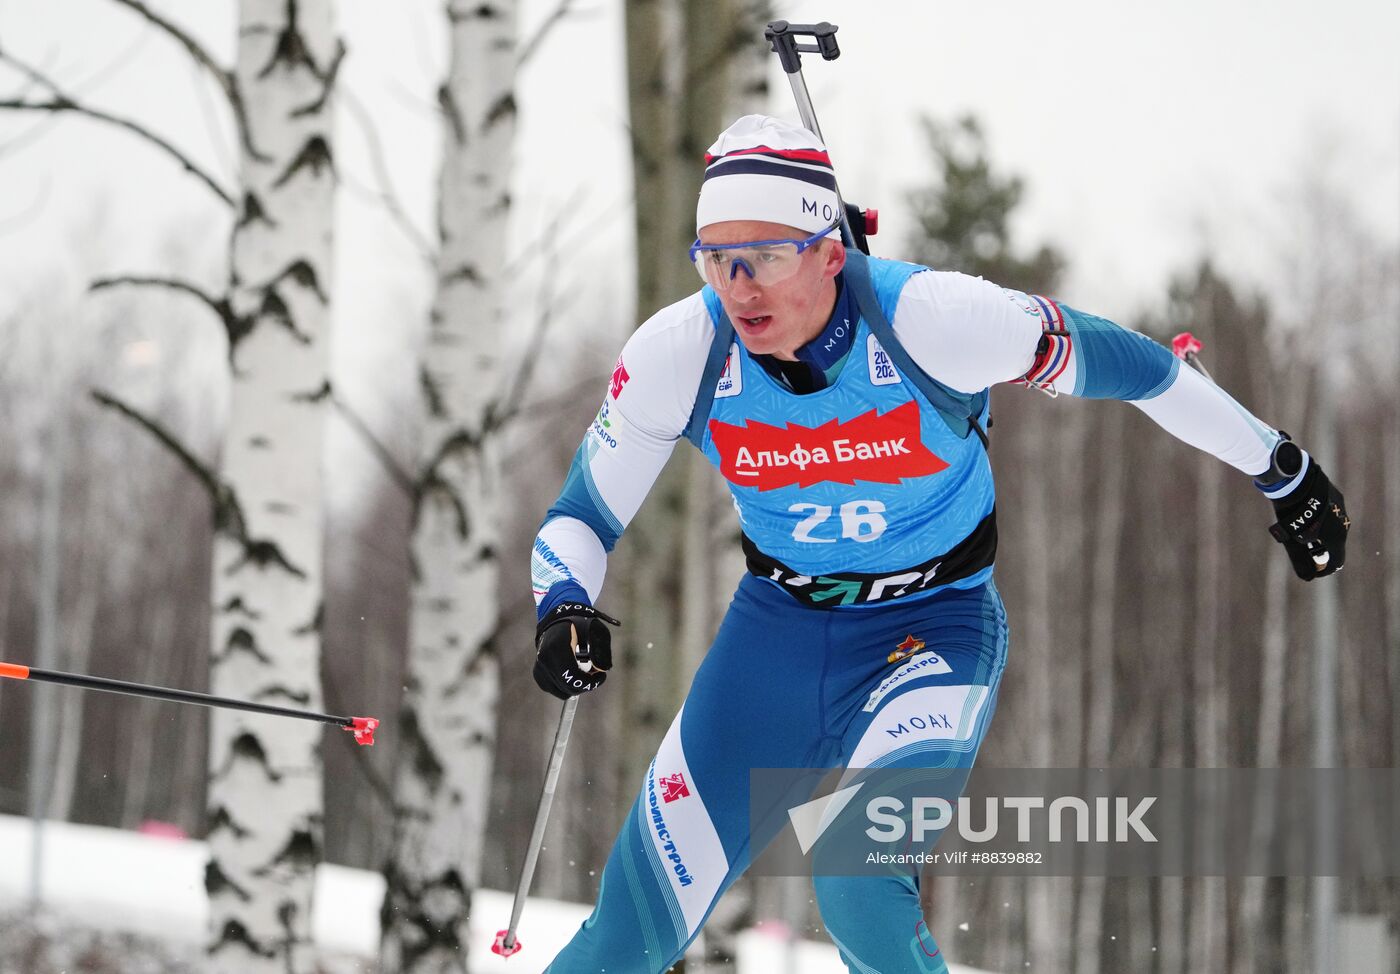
[
  {"x": 857, "y": 224},
  {"x": 783, "y": 37},
  {"x": 362, "y": 727},
  {"x": 506, "y": 943}
]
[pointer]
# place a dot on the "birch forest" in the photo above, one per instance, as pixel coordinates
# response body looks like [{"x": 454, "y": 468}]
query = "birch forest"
[{"x": 305, "y": 306}]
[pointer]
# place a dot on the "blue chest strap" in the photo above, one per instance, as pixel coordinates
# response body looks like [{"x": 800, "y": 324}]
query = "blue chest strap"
[
  {"x": 709, "y": 379},
  {"x": 960, "y": 411}
]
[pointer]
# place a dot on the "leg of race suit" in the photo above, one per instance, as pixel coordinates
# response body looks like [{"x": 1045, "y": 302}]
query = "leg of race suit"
[
  {"x": 756, "y": 702},
  {"x": 929, "y": 711}
]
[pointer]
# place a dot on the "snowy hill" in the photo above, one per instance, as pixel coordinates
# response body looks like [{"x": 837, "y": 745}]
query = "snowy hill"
[{"x": 151, "y": 885}]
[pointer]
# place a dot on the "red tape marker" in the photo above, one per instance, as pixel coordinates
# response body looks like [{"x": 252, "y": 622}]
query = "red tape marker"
[
  {"x": 363, "y": 728},
  {"x": 499, "y": 947},
  {"x": 1186, "y": 344}
]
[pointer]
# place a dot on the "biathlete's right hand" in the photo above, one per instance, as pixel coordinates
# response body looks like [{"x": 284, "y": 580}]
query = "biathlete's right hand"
[
  {"x": 1312, "y": 516},
  {"x": 573, "y": 649}
]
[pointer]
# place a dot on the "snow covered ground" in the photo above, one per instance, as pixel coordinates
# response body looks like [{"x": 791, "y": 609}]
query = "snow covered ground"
[{"x": 152, "y": 885}]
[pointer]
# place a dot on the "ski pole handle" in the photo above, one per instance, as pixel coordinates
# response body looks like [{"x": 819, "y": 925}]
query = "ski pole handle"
[
  {"x": 783, "y": 36},
  {"x": 506, "y": 944},
  {"x": 1187, "y": 347}
]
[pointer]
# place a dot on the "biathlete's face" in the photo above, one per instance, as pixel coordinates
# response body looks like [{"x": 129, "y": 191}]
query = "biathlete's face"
[{"x": 778, "y": 294}]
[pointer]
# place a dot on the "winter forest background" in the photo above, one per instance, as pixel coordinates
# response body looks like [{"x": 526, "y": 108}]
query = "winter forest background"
[{"x": 417, "y": 237}]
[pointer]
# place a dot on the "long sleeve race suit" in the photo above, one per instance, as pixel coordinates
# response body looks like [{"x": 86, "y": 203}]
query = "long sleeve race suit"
[
  {"x": 861, "y": 499},
  {"x": 857, "y": 493}
]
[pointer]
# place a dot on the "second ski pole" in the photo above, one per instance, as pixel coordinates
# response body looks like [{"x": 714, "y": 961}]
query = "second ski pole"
[
  {"x": 1187, "y": 347},
  {"x": 362, "y": 727},
  {"x": 506, "y": 943}
]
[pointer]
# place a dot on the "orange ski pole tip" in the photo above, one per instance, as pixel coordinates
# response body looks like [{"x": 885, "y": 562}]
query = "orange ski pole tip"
[{"x": 14, "y": 671}]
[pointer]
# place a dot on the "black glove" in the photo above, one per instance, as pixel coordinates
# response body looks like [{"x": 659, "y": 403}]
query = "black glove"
[
  {"x": 1312, "y": 517},
  {"x": 573, "y": 649}
]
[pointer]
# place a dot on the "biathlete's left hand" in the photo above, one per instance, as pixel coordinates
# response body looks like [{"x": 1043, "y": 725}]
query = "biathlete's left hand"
[
  {"x": 573, "y": 649},
  {"x": 1312, "y": 516}
]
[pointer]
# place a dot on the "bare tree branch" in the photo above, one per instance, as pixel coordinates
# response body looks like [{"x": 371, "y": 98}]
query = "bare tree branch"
[
  {"x": 61, "y": 102},
  {"x": 564, "y": 401},
  {"x": 119, "y": 62},
  {"x": 378, "y": 786},
  {"x": 87, "y": 84},
  {"x": 463, "y": 440},
  {"x": 32, "y": 134},
  {"x": 327, "y": 78},
  {"x": 434, "y": 484},
  {"x": 12, "y": 221},
  {"x": 203, "y": 472},
  {"x": 532, "y": 250},
  {"x": 723, "y": 53},
  {"x": 400, "y": 476},
  {"x": 225, "y": 78},
  {"x": 528, "y": 49},
  {"x": 514, "y": 395},
  {"x": 229, "y": 521},
  {"x": 387, "y": 196},
  {"x": 223, "y": 142},
  {"x": 228, "y": 515},
  {"x": 514, "y": 398},
  {"x": 220, "y": 305}
]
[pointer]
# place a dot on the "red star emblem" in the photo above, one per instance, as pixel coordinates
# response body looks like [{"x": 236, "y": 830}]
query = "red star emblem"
[{"x": 909, "y": 647}]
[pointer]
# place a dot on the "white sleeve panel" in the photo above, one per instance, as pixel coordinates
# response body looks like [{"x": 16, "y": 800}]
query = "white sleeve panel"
[
  {"x": 648, "y": 404},
  {"x": 661, "y": 365},
  {"x": 622, "y": 462},
  {"x": 966, "y": 332},
  {"x": 573, "y": 544},
  {"x": 1197, "y": 411}
]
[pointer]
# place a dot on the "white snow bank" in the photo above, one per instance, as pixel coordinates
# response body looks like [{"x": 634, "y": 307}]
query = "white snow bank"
[{"x": 118, "y": 880}]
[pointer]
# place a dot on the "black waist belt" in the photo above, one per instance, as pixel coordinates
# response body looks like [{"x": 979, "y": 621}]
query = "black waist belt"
[{"x": 968, "y": 557}]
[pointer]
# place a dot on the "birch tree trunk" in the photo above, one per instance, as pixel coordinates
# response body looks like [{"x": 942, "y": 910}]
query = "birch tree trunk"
[
  {"x": 1206, "y": 929},
  {"x": 1047, "y": 941},
  {"x": 1260, "y": 954},
  {"x": 712, "y": 59},
  {"x": 136, "y": 784},
  {"x": 448, "y": 719},
  {"x": 655, "y": 66},
  {"x": 1390, "y": 498},
  {"x": 67, "y": 758},
  {"x": 265, "y": 794},
  {"x": 1098, "y": 737},
  {"x": 1255, "y": 944},
  {"x": 690, "y": 64},
  {"x": 1166, "y": 611},
  {"x": 645, "y": 567},
  {"x": 746, "y": 92},
  {"x": 677, "y": 85}
]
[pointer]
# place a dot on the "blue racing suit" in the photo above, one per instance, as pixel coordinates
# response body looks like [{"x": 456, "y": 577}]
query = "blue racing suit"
[{"x": 869, "y": 632}]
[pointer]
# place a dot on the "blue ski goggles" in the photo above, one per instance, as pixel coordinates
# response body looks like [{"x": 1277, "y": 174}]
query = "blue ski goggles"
[{"x": 765, "y": 261}]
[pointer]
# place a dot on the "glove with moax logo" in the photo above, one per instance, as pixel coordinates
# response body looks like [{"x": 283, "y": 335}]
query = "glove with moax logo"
[
  {"x": 573, "y": 649},
  {"x": 1312, "y": 516}
]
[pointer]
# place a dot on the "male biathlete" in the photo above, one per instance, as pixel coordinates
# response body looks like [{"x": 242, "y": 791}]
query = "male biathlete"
[{"x": 843, "y": 398}]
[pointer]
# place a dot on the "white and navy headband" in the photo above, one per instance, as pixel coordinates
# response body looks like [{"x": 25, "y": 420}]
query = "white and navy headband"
[{"x": 763, "y": 168}]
